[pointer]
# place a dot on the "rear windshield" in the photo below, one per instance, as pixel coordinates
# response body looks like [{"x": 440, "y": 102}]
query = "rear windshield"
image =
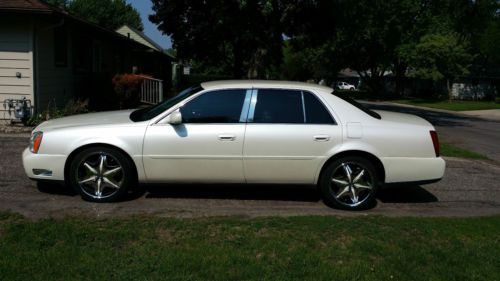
[
  {"x": 147, "y": 113},
  {"x": 358, "y": 105}
]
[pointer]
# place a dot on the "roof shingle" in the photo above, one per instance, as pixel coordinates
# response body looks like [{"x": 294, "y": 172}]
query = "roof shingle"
[{"x": 31, "y": 5}]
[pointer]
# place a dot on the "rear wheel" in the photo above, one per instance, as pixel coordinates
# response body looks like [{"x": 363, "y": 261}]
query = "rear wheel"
[
  {"x": 349, "y": 183},
  {"x": 101, "y": 174}
]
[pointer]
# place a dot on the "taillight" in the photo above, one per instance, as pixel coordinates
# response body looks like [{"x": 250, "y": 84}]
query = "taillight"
[
  {"x": 435, "y": 142},
  {"x": 36, "y": 140}
]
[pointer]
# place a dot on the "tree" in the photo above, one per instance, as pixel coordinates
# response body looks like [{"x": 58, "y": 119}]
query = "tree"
[
  {"x": 243, "y": 38},
  {"x": 362, "y": 35},
  {"x": 439, "y": 57},
  {"x": 110, "y": 14},
  {"x": 489, "y": 40}
]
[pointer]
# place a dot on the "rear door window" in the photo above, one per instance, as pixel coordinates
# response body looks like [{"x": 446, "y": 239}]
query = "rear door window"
[
  {"x": 289, "y": 107},
  {"x": 279, "y": 106}
]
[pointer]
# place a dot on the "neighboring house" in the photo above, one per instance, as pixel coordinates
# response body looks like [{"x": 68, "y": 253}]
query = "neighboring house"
[
  {"x": 483, "y": 82},
  {"x": 350, "y": 76},
  {"x": 138, "y": 36},
  {"x": 51, "y": 57}
]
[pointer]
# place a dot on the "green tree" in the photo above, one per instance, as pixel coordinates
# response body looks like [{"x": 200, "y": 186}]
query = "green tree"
[
  {"x": 243, "y": 38},
  {"x": 439, "y": 57},
  {"x": 489, "y": 38},
  {"x": 110, "y": 14},
  {"x": 362, "y": 35}
]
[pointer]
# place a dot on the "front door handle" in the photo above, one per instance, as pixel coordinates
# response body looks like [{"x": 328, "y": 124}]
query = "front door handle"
[
  {"x": 226, "y": 137},
  {"x": 321, "y": 138}
]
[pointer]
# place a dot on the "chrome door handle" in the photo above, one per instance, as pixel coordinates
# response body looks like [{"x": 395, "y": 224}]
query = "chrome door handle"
[
  {"x": 226, "y": 137},
  {"x": 321, "y": 138}
]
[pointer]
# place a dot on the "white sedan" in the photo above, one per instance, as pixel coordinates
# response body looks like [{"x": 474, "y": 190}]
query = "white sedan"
[
  {"x": 345, "y": 86},
  {"x": 239, "y": 132}
]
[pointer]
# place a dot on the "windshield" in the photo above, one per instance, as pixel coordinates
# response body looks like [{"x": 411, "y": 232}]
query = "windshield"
[
  {"x": 359, "y": 106},
  {"x": 147, "y": 113}
]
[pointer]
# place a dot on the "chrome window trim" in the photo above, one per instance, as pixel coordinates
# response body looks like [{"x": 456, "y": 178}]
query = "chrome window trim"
[
  {"x": 303, "y": 106},
  {"x": 253, "y": 102},
  {"x": 246, "y": 106}
]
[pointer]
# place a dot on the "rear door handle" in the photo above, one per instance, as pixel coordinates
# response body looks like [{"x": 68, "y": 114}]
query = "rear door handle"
[
  {"x": 321, "y": 138},
  {"x": 226, "y": 137}
]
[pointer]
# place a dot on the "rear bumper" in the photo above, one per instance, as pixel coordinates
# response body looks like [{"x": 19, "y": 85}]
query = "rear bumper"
[
  {"x": 43, "y": 166},
  {"x": 420, "y": 170}
]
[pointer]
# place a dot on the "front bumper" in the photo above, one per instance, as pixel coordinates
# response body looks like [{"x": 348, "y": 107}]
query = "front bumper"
[{"x": 43, "y": 166}]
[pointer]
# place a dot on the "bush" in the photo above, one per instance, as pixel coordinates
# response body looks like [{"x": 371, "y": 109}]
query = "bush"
[
  {"x": 72, "y": 107},
  {"x": 128, "y": 89}
]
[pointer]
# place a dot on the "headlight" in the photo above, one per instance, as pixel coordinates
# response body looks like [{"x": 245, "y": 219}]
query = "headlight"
[{"x": 35, "y": 141}]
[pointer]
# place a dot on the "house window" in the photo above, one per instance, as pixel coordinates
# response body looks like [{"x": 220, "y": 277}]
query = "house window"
[
  {"x": 82, "y": 61},
  {"x": 97, "y": 57},
  {"x": 60, "y": 47}
]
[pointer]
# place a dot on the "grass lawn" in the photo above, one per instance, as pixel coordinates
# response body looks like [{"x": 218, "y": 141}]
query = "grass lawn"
[
  {"x": 453, "y": 105},
  {"x": 455, "y": 151},
  {"x": 298, "y": 248}
]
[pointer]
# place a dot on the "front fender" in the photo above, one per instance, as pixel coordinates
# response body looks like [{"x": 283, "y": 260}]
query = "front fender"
[{"x": 127, "y": 138}]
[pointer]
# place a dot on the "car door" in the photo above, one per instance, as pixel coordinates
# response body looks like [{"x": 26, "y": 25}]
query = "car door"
[
  {"x": 288, "y": 135},
  {"x": 206, "y": 147}
]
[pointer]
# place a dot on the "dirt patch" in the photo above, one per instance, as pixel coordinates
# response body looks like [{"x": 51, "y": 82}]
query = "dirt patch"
[{"x": 17, "y": 128}]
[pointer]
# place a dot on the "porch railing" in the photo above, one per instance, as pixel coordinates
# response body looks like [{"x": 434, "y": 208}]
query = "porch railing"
[{"x": 151, "y": 90}]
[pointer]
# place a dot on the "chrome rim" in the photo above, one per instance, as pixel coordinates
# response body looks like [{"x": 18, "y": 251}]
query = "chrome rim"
[
  {"x": 351, "y": 184},
  {"x": 100, "y": 175}
]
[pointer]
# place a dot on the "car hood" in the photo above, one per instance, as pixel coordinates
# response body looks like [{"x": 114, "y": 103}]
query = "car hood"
[
  {"x": 402, "y": 118},
  {"x": 101, "y": 118}
]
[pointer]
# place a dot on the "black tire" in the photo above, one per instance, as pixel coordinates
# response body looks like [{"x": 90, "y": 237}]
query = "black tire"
[
  {"x": 334, "y": 182},
  {"x": 101, "y": 187}
]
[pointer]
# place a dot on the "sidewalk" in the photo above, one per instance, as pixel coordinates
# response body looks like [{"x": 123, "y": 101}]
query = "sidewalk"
[{"x": 490, "y": 114}]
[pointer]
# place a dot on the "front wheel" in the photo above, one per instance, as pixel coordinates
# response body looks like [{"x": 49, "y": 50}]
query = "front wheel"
[
  {"x": 101, "y": 174},
  {"x": 349, "y": 183}
]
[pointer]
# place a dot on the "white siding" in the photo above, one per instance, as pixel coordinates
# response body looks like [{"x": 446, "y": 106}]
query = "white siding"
[
  {"x": 16, "y": 56},
  {"x": 126, "y": 31}
]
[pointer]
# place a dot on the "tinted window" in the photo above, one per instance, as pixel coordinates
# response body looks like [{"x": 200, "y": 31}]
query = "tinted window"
[
  {"x": 278, "y": 106},
  {"x": 316, "y": 113},
  {"x": 222, "y": 106}
]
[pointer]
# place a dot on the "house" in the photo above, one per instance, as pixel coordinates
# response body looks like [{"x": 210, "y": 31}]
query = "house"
[
  {"x": 150, "y": 55},
  {"x": 51, "y": 57}
]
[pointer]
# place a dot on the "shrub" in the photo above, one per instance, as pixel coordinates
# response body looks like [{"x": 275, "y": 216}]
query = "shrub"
[
  {"x": 128, "y": 89},
  {"x": 72, "y": 107}
]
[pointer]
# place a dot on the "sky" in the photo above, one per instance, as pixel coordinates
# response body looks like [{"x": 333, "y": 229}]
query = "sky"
[{"x": 145, "y": 9}]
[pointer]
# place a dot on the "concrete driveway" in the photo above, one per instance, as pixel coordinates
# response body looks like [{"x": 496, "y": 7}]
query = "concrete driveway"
[{"x": 469, "y": 188}]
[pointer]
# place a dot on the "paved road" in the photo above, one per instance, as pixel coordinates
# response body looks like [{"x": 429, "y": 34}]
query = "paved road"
[
  {"x": 469, "y": 132},
  {"x": 468, "y": 189}
]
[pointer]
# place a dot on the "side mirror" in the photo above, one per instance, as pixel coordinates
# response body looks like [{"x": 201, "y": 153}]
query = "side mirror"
[{"x": 175, "y": 118}]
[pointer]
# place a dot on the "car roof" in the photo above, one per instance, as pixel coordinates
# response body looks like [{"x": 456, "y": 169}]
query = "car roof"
[{"x": 274, "y": 84}]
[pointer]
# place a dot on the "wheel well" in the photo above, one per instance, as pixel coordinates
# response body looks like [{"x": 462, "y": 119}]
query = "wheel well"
[
  {"x": 370, "y": 157},
  {"x": 76, "y": 151}
]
